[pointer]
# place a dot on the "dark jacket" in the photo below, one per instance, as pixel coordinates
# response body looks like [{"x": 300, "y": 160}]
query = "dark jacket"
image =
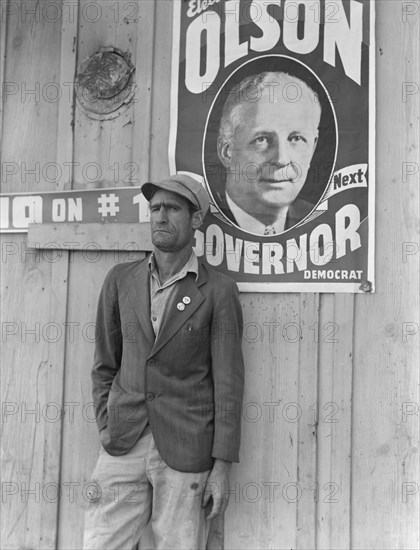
[{"x": 187, "y": 383}]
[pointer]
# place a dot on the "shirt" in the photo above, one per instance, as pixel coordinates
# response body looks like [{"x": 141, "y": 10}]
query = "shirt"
[
  {"x": 162, "y": 296},
  {"x": 251, "y": 224}
]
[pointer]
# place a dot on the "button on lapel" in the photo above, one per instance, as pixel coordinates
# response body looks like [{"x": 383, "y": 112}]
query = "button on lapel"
[{"x": 175, "y": 318}]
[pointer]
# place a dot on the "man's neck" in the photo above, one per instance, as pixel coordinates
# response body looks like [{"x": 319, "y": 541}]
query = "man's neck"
[{"x": 169, "y": 263}]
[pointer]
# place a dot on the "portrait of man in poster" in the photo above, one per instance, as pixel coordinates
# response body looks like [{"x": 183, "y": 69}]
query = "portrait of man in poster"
[{"x": 267, "y": 137}]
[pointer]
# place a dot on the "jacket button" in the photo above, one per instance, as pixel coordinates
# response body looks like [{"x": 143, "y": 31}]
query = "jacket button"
[
  {"x": 150, "y": 396},
  {"x": 152, "y": 362}
]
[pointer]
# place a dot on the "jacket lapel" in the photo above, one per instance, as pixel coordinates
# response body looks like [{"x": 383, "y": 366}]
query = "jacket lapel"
[
  {"x": 138, "y": 289},
  {"x": 298, "y": 210},
  {"x": 224, "y": 207},
  {"x": 175, "y": 318}
]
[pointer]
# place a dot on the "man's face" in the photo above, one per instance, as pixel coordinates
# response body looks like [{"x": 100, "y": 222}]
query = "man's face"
[
  {"x": 268, "y": 157},
  {"x": 172, "y": 224}
]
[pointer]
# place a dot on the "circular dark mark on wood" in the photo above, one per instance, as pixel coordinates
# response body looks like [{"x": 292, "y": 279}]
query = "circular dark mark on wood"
[{"x": 104, "y": 83}]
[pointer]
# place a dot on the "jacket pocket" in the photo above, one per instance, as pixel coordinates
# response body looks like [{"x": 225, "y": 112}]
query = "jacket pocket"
[
  {"x": 198, "y": 333},
  {"x": 204, "y": 409}
]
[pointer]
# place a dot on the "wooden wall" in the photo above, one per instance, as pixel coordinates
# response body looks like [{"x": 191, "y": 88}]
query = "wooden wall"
[{"x": 329, "y": 457}]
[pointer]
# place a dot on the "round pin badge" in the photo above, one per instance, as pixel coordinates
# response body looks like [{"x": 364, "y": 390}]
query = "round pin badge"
[
  {"x": 186, "y": 300},
  {"x": 180, "y": 306}
]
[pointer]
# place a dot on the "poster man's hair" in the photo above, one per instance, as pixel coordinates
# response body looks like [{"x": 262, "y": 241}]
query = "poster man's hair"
[{"x": 249, "y": 91}]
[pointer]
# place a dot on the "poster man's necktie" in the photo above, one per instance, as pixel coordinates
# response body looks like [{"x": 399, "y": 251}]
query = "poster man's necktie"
[{"x": 269, "y": 230}]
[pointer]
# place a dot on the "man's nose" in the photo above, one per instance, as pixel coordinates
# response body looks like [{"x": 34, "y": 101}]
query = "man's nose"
[
  {"x": 281, "y": 155},
  {"x": 161, "y": 216}
]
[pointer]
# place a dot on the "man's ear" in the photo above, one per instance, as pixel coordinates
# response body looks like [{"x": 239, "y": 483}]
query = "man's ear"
[
  {"x": 223, "y": 151},
  {"x": 197, "y": 219}
]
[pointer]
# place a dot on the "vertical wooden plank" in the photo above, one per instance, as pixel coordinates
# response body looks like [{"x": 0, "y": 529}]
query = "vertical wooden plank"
[
  {"x": 54, "y": 393},
  {"x": 385, "y": 476},
  {"x": 335, "y": 416},
  {"x": 30, "y": 116},
  {"x": 143, "y": 102},
  {"x": 324, "y": 441},
  {"x": 26, "y": 369},
  {"x": 265, "y": 485},
  {"x": 3, "y": 32},
  {"x": 59, "y": 274},
  {"x": 161, "y": 87},
  {"x": 31, "y": 367},
  {"x": 103, "y": 148},
  {"x": 307, "y": 436},
  {"x": 68, "y": 55},
  {"x": 341, "y": 398}
]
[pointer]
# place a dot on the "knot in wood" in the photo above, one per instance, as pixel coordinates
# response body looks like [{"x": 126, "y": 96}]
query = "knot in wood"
[
  {"x": 105, "y": 75},
  {"x": 104, "y": 83}
]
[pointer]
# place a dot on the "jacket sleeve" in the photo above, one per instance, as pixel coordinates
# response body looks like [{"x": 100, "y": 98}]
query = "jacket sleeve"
[
  {"x": 108, "y": 347},
  {"x": 228, "y": 373}
]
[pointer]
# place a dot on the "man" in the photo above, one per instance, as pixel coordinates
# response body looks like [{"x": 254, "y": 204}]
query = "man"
[
  {"x": 167, "y": 385},
  {"x": 267, "y": 137}
]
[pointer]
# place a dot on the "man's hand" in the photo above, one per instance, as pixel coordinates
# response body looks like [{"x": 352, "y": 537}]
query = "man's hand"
[{"x": 217, "y": 487}]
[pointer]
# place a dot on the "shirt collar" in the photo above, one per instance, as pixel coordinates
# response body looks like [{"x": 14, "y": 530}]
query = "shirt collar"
[
  {"x": 191, "y": 266},
  {"x": 251, "y": 224}
]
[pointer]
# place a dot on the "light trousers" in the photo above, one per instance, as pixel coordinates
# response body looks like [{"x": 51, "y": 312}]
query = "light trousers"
[{"x": 129, "y": 490}]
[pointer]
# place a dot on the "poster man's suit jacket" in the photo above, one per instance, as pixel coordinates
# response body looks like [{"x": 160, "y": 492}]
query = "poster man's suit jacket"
[
  {"x": 187, "y": 383},
  {"x": 296, "y": 212}
]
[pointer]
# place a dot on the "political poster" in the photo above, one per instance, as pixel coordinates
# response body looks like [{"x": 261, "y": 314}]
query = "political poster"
[{"x": 272, "y": 110}]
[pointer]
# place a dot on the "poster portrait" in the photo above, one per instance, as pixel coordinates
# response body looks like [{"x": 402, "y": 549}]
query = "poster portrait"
[{"x": 272, "y": 110}]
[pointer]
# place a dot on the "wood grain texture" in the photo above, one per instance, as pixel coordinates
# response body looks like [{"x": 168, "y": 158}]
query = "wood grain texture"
[
  {"x": 385, "y": 441},
  {"x": 161, "y": 91},
  {"x": 33, "y": 288},
  {"x": 54, "y": 389},
  {"x": 263, "y": 506},
  {"x": 28, "y": 372},
  {"x": 3, "y": 35},
  {"x": 59, "y": 287},
  {"x": 90, "y": 237},
  {"x": 334, "y": 421},
  {"x": 103, "y": 148},
  {"x": 307, "y": 435},
  {"x": 68, "y": 56},
  {"x": 30, "y": 109},
  {"x": 80, "y": 434},
  {"x": 144, "y": 92}
]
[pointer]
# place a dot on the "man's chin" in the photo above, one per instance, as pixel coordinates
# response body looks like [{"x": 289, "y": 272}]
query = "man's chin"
[
  {"x": 162, "y": 244},
  {"x": 275, "y": 198}
]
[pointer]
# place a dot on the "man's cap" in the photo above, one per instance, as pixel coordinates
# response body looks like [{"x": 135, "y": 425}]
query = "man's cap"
[{"x": 183, "y": 185}]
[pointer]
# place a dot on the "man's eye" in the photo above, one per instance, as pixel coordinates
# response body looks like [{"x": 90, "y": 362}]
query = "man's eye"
[
  {"x": 261, "y": 139},
  {"x": 297, "y": 139}
]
